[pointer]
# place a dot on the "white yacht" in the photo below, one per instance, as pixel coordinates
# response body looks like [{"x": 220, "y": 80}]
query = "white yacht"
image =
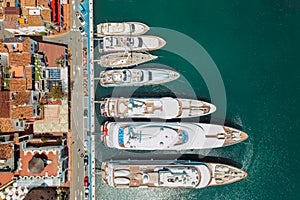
[
  {"x": 165, "y": 108},
  {"x": 122, "y": 28},
  {"x": 119, "y": 59},
  {"x": 136, "y": 77},
  {"x": 168, "y": 135},
  {"x": 168, "y": 174},
  {"x": 131, "y": 43}
]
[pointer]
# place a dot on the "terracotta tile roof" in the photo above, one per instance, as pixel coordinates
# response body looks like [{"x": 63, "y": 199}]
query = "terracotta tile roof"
[
  {"x": 6, "y": 125},
  {"x": 19, "y": 59},
  {"x": 21, "y": 112},
  {"x": 43, "y": 2},
  {"x": 26, "y": 44},
  {"x": 10, "y": 23},
  {"x": 51, "y": 169},
  {"x": 21, "y": 98},
  {"x": 34, "y": 20},
  {"x": 52, "y": 52},
  {"x": 11, "y": 10},
  {"x": 4, "y": 104},
  {"x": 3, "y": 49},
  {"x": 5, "y": 178},
  {"x": 46, "y": 15},
  {"x": 6, "y": 151},
  {"x": 17, "y": 84},
  {"x": 28, "y": 72},
  {"x": 28, "y": 3},
  {"x": 18, "y": 71}
]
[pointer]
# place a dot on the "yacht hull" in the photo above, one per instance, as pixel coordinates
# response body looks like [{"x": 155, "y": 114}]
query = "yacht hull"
[
  {"x": 169, "y": 174},
  {"x": 136, "y": 77},
  {"x": 119, "y": 59},
  {"x": 168, "y": 135},
  {"x": 164, "y": 108},
  {"x": 122, "y": 29}
]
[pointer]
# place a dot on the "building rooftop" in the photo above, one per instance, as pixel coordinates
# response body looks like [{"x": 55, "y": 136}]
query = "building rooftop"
[
  {"x": 32, "y": 3},
  {"x": 22, "y": 112},
  {"x": 34, "y": 20},
  {"x": 52, "y": 169},
  {"x": 55, "y": 120},
  {"x": 11, "y": 10},
  {"x": 4, "y": 104},
  {"x": 19, "y": 59},
  {"x": 17, "y": 84},
  {"x": 6, "y": 125},
  {"x": 6, "y": 151},
  {"x": 5, "y": 178},
  {"x": 21, "y": 98},
  {"x": 52, "y": 52},
  {"x": 28, "y": 73},
  {"x": 13, "y": 40},
  {"x": 18, "y": 71}
]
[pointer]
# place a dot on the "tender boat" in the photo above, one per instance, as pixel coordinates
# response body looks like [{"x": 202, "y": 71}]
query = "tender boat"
[
  {"x": 131, "y": 43},
  {"x": 119, "y": 59},
  {"x": 169, "y": 174},
  {"x": 136, "y": 77},
  {"x": 165, "y": 108},
  {"x": 122, "y": 28},
  {"x": 168, "y": 135}
]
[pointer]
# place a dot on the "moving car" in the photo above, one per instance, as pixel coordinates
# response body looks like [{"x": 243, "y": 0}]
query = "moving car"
[{"x": 86, "y": 193}]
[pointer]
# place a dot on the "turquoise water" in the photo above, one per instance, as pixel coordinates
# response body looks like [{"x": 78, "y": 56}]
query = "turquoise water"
[{"x": 255, "y": 49}]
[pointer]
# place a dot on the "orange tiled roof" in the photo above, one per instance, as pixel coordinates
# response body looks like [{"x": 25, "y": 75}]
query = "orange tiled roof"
[
  {"x": 17, "y": 84},
  {"x": 6, "y": 177},
  {"x": 21, "y": 98},
  {"x": 3, "y": 49},
  {"x": 43, "y": 2},
  {"x": 52, "y": 52},
  {"x": 6, "y": 151},
  {"x": 18, "y": 71},
  {"x": 46, "y": 15},
  {"x": 6, "y": 125},
  {"x": 19, "y": 59},
  {"x": 51, "y": 169},
  {"x": 9, "y": 22},
  {"x": 4, "y": 104},
  {"x": 21, "y": 112},
  {"x": 26, "y": 44},
  {"x": 34, "y": 20},
  {"x": 28, "y": 3},
  {"x": 28, "y": 72}
]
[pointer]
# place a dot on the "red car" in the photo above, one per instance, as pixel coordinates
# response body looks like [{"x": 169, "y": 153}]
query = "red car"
[{"x": 86, "y": 181}]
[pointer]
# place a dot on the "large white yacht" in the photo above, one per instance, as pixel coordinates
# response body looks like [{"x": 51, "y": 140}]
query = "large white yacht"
[
  {"x": 168, "y": 135},
  {"x": 165, "y": 108},
  {"x": 119, "y": 59},
  {"x": 131, "y": 43},
  {"x": 136, "y": 77},
  {"x": 122, "y": 28},
  {"x": 168, "y": 174}
]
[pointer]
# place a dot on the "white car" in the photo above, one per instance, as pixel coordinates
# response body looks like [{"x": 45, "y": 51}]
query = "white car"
[
  {"x": 81, "y": 20},
  {"x": 82, "y": 31},
  {"x": 86, "y": 193},
  {"x": 85, "y": 145}
]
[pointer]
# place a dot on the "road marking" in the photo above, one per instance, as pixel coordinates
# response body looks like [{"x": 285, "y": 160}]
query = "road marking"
[{"x": 78, "y": 178}]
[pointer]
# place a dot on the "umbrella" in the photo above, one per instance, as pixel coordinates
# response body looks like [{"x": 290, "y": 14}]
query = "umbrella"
[{"x": 36, "y": 165}]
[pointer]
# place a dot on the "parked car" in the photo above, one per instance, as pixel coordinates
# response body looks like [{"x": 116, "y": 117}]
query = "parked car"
[
  {"x": 86, "y": 181},
  {"x": 82, "y": 31},
  {"x": 81, "y": 20},
  {"x": 86, "y": 193},
  {"x": 85, "y": 145},
  {"x": 86, "y": 160}
]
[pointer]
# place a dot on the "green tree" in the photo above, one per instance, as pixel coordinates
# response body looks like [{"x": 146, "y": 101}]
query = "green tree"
[{"x": 57, "y": 93}]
